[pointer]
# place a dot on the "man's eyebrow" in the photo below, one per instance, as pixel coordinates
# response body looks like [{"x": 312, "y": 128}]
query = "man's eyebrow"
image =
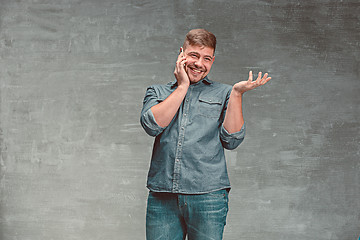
[{"x": 198, "y": 54}]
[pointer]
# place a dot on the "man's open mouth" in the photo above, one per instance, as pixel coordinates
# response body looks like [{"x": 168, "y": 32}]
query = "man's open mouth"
[{"x": 196, "y": 71}]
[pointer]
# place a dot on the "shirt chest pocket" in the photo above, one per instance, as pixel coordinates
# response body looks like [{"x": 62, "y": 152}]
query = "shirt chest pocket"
[{"x": 209, "y": 106}]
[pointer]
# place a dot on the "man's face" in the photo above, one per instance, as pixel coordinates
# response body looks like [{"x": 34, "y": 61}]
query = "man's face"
[{"x": 199, "y": 62}]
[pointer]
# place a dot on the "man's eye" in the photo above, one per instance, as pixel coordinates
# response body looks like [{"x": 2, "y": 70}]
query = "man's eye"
[{"x": 208, "y": 59}]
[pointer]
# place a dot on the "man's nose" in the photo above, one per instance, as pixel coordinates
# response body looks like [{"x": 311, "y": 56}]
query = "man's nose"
[{"x": 198, "y": 63}]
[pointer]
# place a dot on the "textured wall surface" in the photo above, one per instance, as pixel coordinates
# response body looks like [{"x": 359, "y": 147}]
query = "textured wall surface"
[{"x": 73, "y": 74}]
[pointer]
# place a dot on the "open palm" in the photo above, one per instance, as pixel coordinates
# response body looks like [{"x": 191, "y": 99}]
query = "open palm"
[{"x": 245, "y": 86}]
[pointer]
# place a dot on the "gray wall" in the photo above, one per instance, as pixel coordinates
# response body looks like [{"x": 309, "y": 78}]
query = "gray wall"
[{"x": 73, "y": 74}]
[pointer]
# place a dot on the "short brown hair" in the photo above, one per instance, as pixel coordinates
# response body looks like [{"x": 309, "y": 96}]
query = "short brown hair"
[{"x": 200, "y": 37}]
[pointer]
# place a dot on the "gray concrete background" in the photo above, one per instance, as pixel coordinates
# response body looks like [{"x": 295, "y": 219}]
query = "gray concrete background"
[{"x": 73, "y": 74}]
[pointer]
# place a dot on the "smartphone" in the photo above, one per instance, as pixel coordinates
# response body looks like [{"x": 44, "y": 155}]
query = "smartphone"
[{"x": 182, "y": 51}]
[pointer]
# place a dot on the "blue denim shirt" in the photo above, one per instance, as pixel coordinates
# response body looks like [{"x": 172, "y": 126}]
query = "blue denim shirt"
[{"x": 188, "y": 155}]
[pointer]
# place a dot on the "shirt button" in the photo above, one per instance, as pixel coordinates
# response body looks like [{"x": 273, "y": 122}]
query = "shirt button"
[
  {"x": 184, "y": 114},
  {"x": 177, "y": 160},
  {"x": 182, "y": 128},
  {"x": 179, "y": 144},
  {"x": 187, "y": 100}
]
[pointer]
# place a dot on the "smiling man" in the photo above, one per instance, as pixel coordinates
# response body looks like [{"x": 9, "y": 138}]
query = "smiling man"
[{"x": 193, "y": 120}]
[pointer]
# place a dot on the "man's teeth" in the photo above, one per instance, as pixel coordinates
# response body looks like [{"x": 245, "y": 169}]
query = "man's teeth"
[{"x": 196, "y": 70}]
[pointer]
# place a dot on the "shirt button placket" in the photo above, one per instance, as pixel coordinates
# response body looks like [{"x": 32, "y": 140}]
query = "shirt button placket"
[{"x": 178, "y": 156}]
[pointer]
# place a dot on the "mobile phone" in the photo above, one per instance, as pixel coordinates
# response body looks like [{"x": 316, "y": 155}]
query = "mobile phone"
[{"x": 182, "y": 51}]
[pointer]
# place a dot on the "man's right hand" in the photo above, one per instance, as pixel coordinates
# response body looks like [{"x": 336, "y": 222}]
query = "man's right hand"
[
  {"x": 165, "y": 111},
  {"x": 180, "y": 73}
]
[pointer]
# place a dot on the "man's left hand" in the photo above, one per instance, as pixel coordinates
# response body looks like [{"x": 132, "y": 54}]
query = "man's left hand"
[{"x": 245, "y": 86}]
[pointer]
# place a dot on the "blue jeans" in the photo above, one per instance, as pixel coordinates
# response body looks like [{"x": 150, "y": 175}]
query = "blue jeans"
[{"x": 172, "y": 216}]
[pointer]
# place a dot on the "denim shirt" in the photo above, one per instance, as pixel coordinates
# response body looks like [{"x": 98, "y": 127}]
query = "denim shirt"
[{"x": 188, "y": 155}]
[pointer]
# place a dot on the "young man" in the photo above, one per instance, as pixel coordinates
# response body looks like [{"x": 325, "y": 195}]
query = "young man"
[{"x": 193, "y": 119}]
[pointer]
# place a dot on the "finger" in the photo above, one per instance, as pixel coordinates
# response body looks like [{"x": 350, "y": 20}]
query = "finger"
[
  {"x": 250, "y": 76},
  {"x": 183, "y": 62},
  {"x": 259, "y": 77},
  {"x": 177, "y": 65},
  {"x": 263, "y": 79},
  {"x": 180, "y": 56},
  {"x": 268, "y": 79},
  {"x": 180, "y": 65},
  {"x": 180, "y": 59}
]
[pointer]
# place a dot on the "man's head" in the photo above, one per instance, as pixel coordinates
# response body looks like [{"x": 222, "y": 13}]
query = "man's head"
[
  {"x": 199, "y": 47},
  {"x": 200, "y": 38}
]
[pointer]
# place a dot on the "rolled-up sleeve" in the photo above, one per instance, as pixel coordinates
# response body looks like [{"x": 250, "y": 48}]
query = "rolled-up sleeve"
[
  {"x": 231, "y": 141},
  {"x": 147, "y": 118}
]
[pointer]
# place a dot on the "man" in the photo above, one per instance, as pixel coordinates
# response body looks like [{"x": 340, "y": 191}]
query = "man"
[{"x": 193, "y": 119}]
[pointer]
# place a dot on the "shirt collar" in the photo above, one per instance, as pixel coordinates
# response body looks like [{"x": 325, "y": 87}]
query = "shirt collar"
[{"x": 206, "y": 80}]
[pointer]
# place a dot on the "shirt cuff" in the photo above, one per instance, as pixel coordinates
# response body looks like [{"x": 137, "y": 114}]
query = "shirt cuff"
[
  {"x": 232, "y": 140},
  {"x": 148, "y": 122}
]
